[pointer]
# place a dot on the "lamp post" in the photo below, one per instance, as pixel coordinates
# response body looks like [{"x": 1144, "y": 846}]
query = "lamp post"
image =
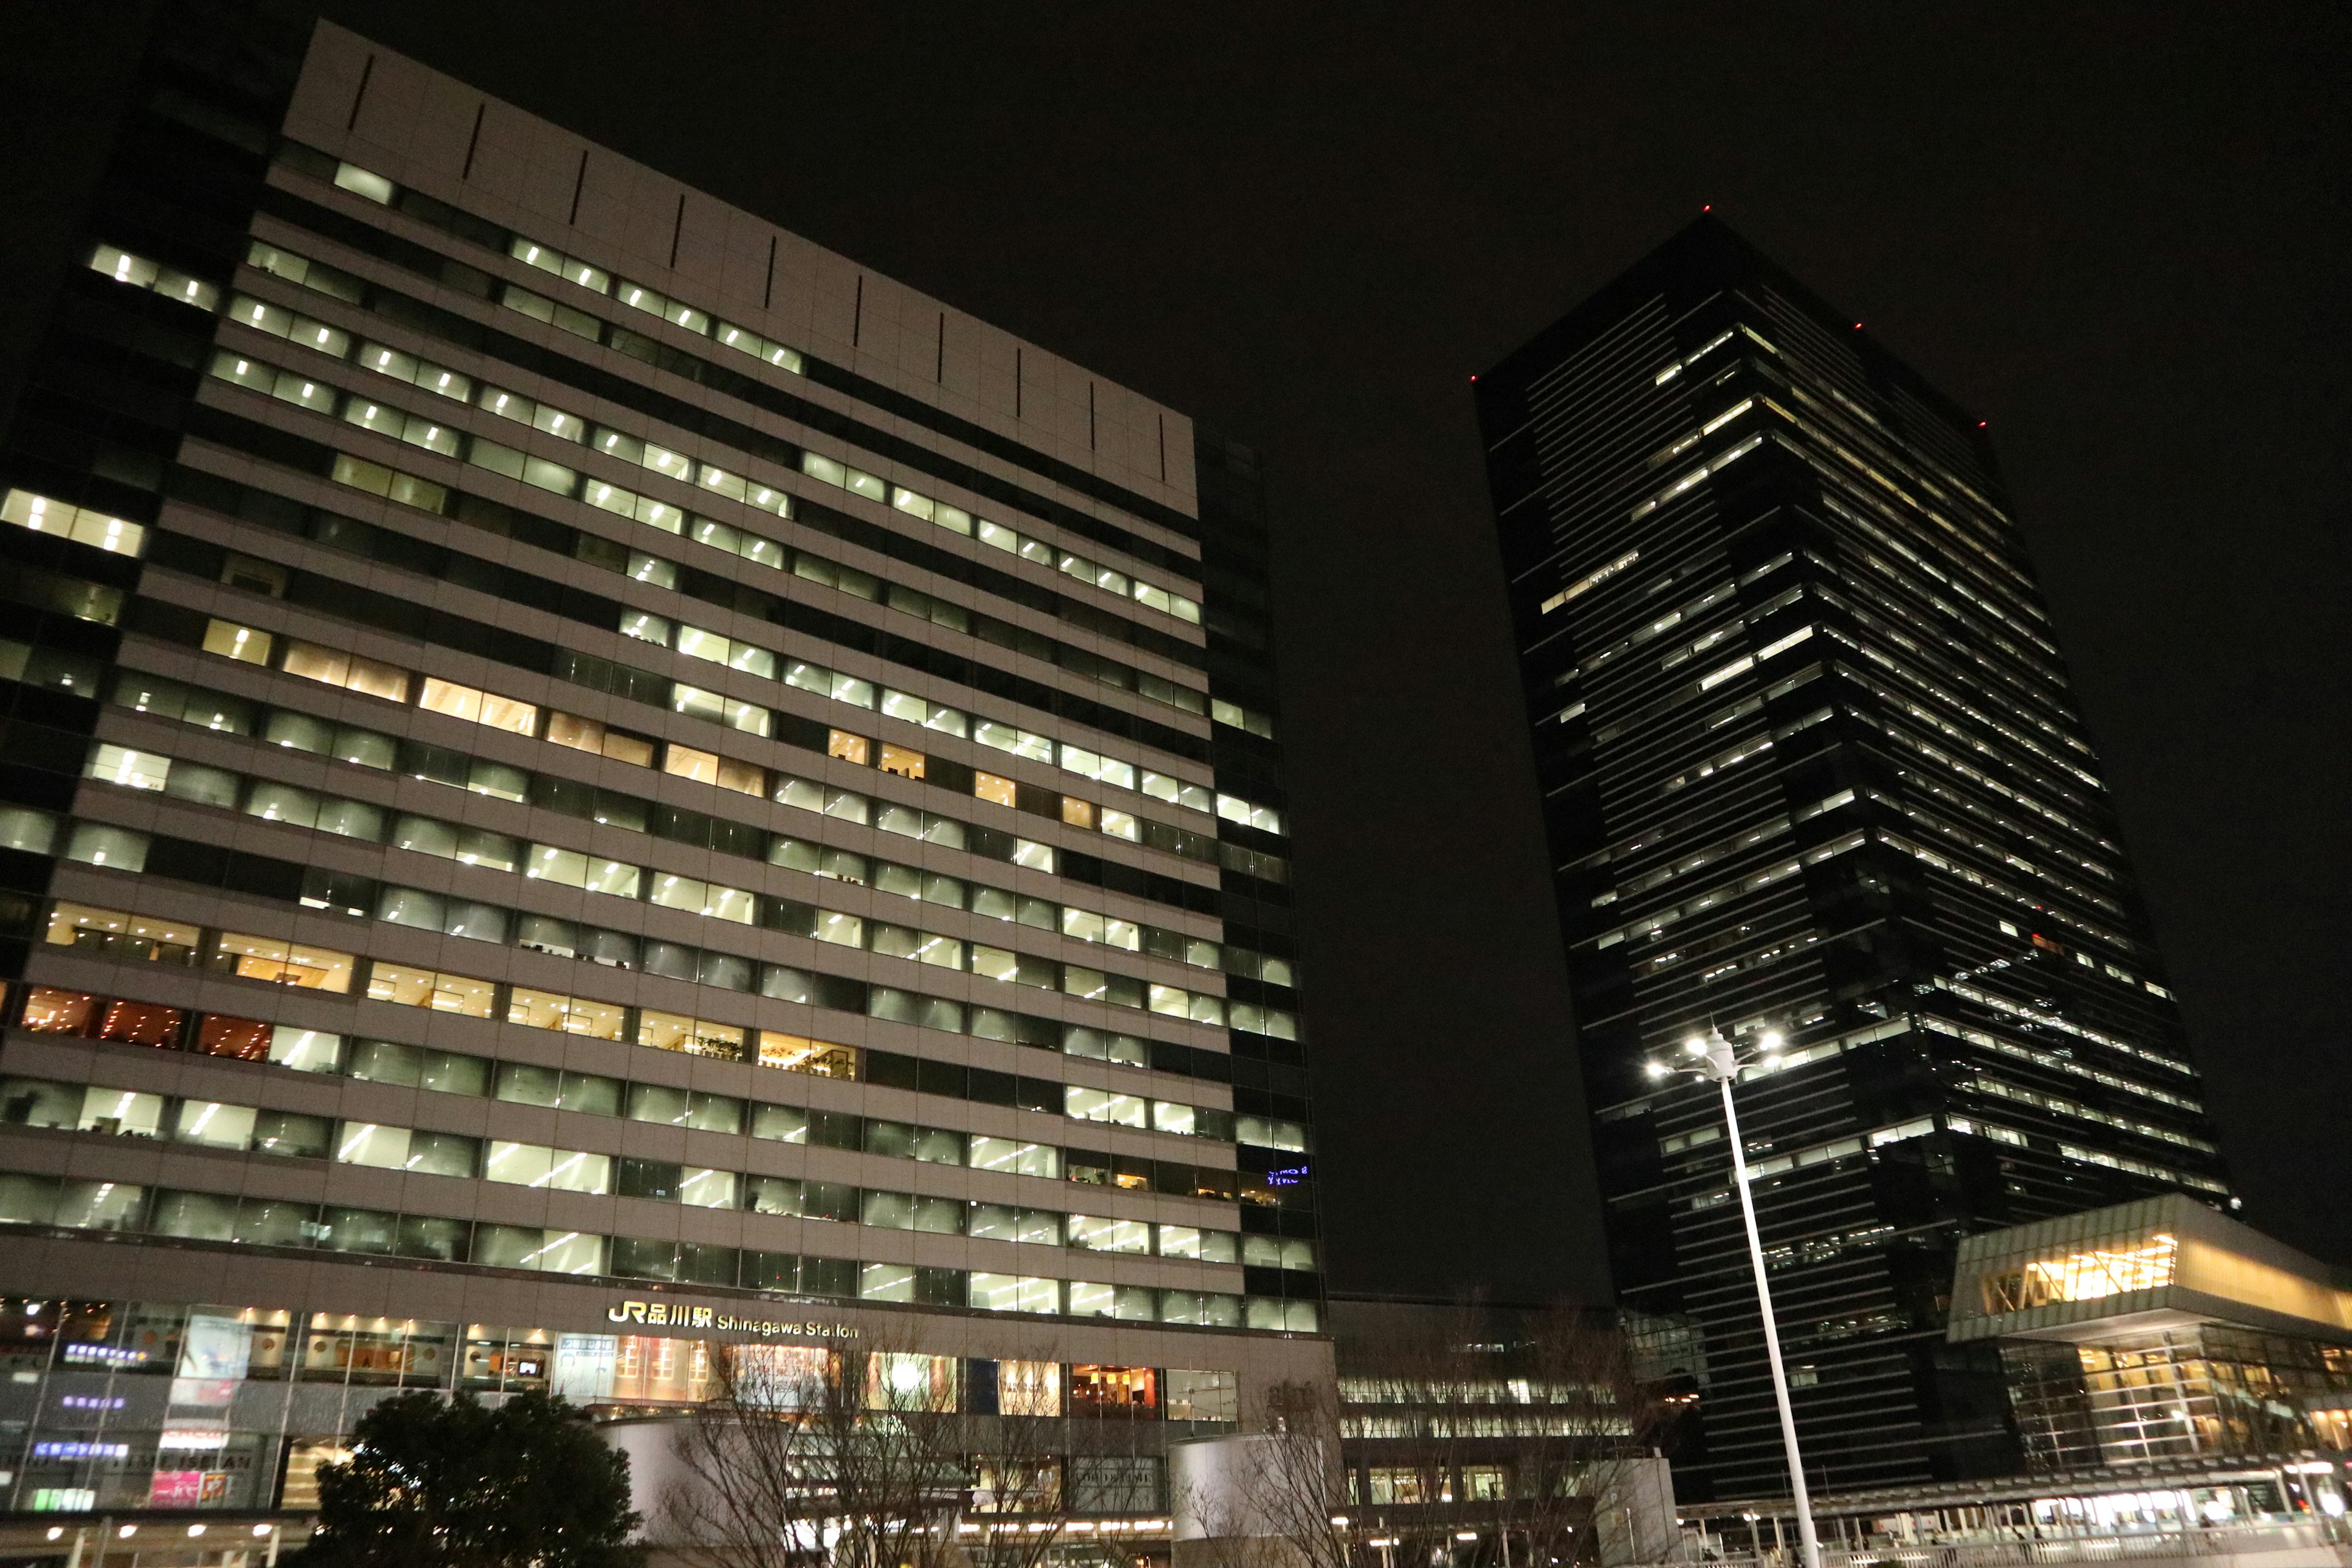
[{"x": 1716, "y": 1058}]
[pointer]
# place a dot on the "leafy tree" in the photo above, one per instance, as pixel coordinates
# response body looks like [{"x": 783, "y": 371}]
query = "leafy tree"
[{"x": 452, "y": 1483}]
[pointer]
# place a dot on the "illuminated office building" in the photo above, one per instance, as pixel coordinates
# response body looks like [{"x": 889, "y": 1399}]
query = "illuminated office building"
[
  {"x": 586, "y": 779},
  {"x": 1810, "y": 764}
]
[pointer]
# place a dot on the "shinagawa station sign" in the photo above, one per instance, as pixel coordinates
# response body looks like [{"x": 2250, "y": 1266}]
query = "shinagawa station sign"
[{"x": 678, "y": 1315}]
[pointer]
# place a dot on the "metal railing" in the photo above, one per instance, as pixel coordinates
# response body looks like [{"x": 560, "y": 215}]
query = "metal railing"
[{"x": 2316, "y": 1542}]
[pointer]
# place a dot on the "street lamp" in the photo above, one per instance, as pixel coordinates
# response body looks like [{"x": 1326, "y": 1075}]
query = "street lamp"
[{"x": 1714, "y": 1058}]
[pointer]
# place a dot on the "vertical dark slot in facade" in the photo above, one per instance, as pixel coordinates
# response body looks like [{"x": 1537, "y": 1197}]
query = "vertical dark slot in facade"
[
  {"x": 579, "y": 184},
  {"x": 359, "y": 95},
  {"x": 1810, "y": 764},
  {"x": 474, "y": 140}
]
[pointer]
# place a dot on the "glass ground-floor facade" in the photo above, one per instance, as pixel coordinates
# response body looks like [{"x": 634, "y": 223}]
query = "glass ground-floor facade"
[{"x": 132, "y": 1405}]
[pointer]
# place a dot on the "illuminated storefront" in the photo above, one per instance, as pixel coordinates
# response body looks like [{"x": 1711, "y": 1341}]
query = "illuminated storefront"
[
  {"x": 144, "y": 1406},
  {"x": 2160, "y": 1331}
]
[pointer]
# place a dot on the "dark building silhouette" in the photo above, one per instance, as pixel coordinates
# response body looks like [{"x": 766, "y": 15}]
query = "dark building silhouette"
[{"x": 1810, "y": 764}]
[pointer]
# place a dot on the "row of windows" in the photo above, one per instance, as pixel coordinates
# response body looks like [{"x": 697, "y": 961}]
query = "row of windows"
[
  {"x": 277, "y": 582},
  {"x": 885, "y": 536},
  {"x": 134, "y": 938},
  {"x": 48, "y": 1010},
  {"x": 294, "y": 730},
  {"x": 2038, "y": 907},
  {"x": 1998, "y": 853},
  {"x": 581, "y": 324},
  {"x": 42, "y": 515},
  {"x": 207, "y": 865},
  {"x": 87, "y": 1344},
  {"x": 275, "y": 802},
  {"x": 2054, "y": 1061},
  {"x": 1951, "y": 700},
  {"x": 2059, "y": 1106},
  {"x": 247, "y": 1129},
  {"x": 751, "y": 658},
  {"x": 122, "y": 1208},
  {"x": 1708, "y": 855},
  {"x": 2036, "y": 1017},
  {"x": 1987, "y": 561},
  {"x": 127, "y": 937},
  {"x": 2014, "y": 829},
  {"x": 1650, "y": 927},
  {"x": 431, "y": 432},
  {"x": 1897, "y": 605},
  {"x": 305, "y": 965},
  {"x": 487, "y": 850},
  {"x": 127, "y": 849}
]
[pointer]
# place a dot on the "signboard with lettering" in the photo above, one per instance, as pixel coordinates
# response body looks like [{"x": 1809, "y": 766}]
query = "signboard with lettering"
[{"x": 678, "y": 1315}]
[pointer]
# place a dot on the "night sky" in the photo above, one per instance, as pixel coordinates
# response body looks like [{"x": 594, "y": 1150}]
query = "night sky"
[{"x": 2116, "y": 234}]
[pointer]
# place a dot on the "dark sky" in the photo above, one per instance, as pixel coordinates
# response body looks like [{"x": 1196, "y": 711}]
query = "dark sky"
[{"x": 2117, "y": 233}]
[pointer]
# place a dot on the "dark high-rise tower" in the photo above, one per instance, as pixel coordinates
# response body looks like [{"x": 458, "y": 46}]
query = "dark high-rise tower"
[{"x": 1810, "y": 763}]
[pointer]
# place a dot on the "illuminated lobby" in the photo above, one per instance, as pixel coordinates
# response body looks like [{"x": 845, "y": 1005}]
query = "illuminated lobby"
[{"x": 2164, "y": 1369}]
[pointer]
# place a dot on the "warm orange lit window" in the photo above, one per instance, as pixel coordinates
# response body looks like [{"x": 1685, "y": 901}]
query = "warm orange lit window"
[
  {"x": 899, "y": 760},
  {"x": 1114, "y": 1387},
  {"x": 508, "y": 713},
  {"x": 139, "y": 1024},
  {"x": 1077, "y": 813},
  {"x": 284, "y": 962},
  {"x": 988, "y": 786},
  {"x": 695, "y": 1037},
  {"x": 349, "y": 671},
  {"x": 795, "y": 1053},
  {"x": 53, "y": 1012},
  {"x": 687, "y": 762},
  {"x": 246, "y": 1039},
  {"x": 446, "y": 697},
  {"x": 588, "y": 735},
  {"x": 849, "y": 748},
  {"x": 572, "y": 731}
]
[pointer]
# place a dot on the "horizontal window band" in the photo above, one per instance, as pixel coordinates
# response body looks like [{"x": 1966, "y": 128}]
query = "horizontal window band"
[
  {"x": 175, "y": 1215},
  {"x": 365, "y": 898},
  {"x": 233, "y": 431},
  {"x": 289, "y": 207}
]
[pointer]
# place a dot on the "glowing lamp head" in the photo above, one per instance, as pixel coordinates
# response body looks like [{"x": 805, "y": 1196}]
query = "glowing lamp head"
[
  {"x": 1695, "y": 1046},
  {"x": 1772, "y": 1042},
  {"x": 1655, "y": 1069}
]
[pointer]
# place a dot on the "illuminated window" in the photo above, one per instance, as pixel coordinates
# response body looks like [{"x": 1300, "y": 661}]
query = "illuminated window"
[
  {"x": 989, "y": 786},
  {"x": 1114, "y": 1388},
  {"x": 2083, "y": 1275},
  {"x": 247, "y": 645},
  {"x": 407, "y": 987},
  {"x": 906, "y": 764},
  {"x": 284, "y": 962},
  {"x": 849, "y": 748}
]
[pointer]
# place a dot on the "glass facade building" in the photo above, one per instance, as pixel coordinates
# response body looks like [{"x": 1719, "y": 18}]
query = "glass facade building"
[
  {"x": 1810, "y": 763},
  {"x": 586, "y": 780},
  {"x": 2160, "y": 1333}
]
